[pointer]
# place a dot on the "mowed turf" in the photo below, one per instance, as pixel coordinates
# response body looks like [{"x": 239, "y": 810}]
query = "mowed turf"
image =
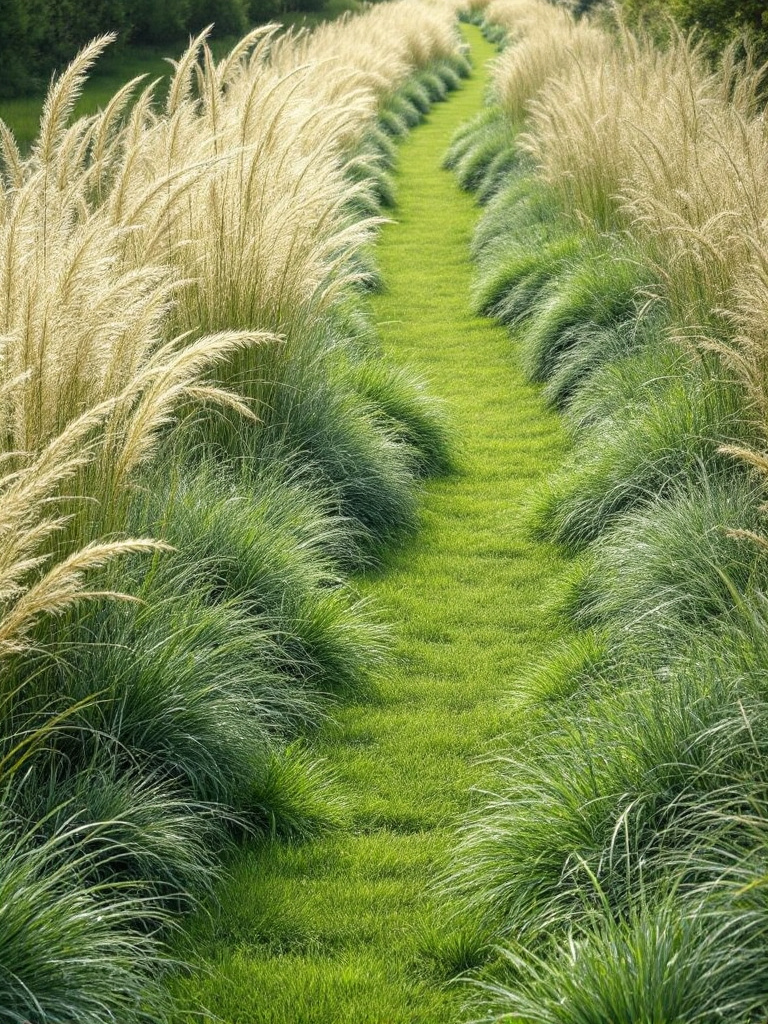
[{"x": 349, "y": 929}]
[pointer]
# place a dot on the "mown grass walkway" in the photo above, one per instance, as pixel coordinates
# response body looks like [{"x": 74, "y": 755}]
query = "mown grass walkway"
[{"x": 337, "y": 931}]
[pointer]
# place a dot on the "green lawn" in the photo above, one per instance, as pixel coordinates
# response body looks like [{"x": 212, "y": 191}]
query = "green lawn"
[
  {"x": 348, "y": 929},
  {"x": 117, "y": 67}
]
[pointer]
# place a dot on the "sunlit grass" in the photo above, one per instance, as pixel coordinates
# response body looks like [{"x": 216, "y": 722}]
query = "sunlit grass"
[{"x": 349, "y": 929}]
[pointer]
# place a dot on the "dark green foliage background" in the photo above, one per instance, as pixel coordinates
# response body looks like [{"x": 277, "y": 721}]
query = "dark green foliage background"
[
  {"x": 722, "y": 20},
  {"x": 38, "y": 36}
]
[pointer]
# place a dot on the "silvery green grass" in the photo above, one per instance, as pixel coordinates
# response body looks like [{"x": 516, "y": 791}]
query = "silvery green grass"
[{"x": 619, "y": 867}]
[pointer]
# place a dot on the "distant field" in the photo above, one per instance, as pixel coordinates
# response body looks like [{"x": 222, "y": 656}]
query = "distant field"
[{"x": 22, "y": 114}]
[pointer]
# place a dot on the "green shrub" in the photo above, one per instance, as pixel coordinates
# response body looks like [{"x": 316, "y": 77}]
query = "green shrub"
[
  {"x": 407, "y": 409},
  {"x": 403, "y": 107},
  {"x": 393, "y": 123},
  {"x": 266, "y": 548},
  {"x": 158, "y": 23},
  {"x": 433, "y": 85},
  {"x": 315, "y": 418},
  {"x": 511, "y": 284},
  {"x": 40, "y": 36},
  {"x": 482, "y": 152},
  {"x": 128, "y": 830},
  {"x": 415, "y": 91},
  {"x": 628, "y": 784},
  {"x": 497, "y": 173},
  {"x": 187, "y": 694},
  {"x": 229, "y": 17},
  {"x": 525, "y": 208},
  {"x": 615, "y": 388},
  {"x": 469, "y": 134},
  {"x": 265, "y": 10},
  {"x": 240, "y": 640},
  {"x": 570, "y": 669},
  {"x": 722, "y": 20}
]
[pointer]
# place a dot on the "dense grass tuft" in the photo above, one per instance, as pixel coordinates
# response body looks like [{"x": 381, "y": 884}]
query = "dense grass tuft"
[
  {"x": 402, "y": 400},
  {"x": 511, "y": 286},
  {"x": 655, "y": 446},
  {"x": 68, "y": 950},
  {"x": 597, "y": 294},
  {"x": 665, "y": 963},
  {"x": 675, "y": 564}
]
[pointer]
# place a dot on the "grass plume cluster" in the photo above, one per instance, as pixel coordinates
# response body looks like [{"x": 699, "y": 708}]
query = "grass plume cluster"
[
  {"x": 620, "y": 862},
  {"x": 199, "y": 439}
]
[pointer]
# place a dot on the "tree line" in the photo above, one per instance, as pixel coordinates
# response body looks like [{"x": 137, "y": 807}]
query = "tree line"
[
  {"x": 37, "y": 36},
  {"x": 721, "y": 20}
]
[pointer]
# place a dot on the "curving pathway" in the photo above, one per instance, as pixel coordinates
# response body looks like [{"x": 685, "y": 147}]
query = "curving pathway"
[{"x": 344, "y": 930}]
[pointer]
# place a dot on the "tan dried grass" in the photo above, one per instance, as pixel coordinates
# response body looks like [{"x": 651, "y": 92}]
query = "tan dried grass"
[
  {"x": 658, "y": 145},
  {"x": 141, "y": 249}
]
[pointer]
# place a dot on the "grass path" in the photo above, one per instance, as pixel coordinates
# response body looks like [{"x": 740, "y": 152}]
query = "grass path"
[{"x": 340, "y": 930}]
